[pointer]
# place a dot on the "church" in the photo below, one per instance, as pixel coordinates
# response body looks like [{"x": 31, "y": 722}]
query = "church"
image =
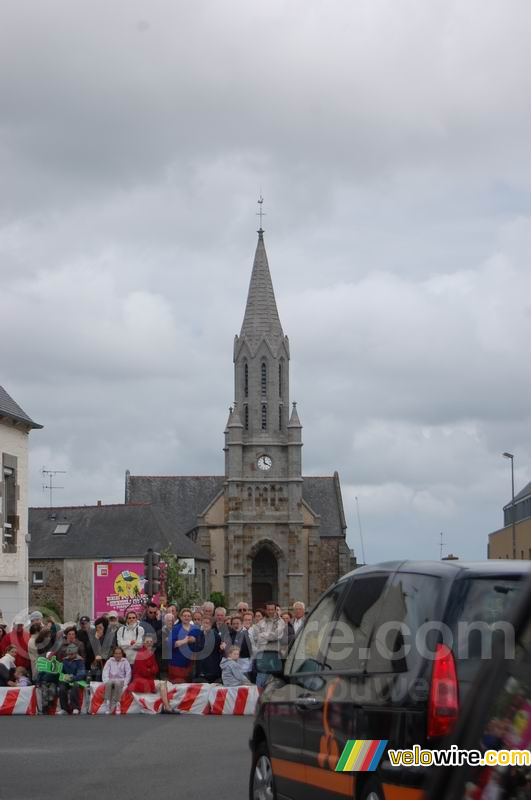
[{"x": 268, "y": 531}]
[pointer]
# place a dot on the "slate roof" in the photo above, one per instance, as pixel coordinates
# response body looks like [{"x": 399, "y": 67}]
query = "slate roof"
[
  {"x": 106, "y": 531},
  {"x": 182, "y": 498},
  {"x": 526, "y": 492},
  {"x": 12, "y": 410},
  {"x": 261, "y": 314}
]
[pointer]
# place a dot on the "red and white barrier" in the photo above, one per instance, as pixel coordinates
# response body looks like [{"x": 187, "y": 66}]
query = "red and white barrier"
[
  {"x": 54, "y": 707},
  {"x": 97, "y": 699},
  {"x": 21, "y": 700},
  {"x": 236, "y": 700},
  {"x": 190, "y": 698}
]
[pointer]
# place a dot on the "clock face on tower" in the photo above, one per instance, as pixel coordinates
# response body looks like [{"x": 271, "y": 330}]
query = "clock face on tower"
[{"x": 265, "y": 462}]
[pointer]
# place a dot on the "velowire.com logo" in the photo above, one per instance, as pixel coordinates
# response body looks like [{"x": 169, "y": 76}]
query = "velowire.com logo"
[{"x": 361, "y": 755}]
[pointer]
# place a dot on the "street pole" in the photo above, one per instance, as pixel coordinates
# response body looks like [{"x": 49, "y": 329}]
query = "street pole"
[{"x": 513, "y": 508}]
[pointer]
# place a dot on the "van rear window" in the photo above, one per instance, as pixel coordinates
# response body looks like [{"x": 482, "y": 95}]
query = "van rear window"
[{"x": 478, "y": 618}]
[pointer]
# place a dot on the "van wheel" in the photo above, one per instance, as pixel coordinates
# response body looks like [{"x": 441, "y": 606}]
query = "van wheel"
[
  {"x": 262, "y": 783},
  {"x": 372, "y": 790}
]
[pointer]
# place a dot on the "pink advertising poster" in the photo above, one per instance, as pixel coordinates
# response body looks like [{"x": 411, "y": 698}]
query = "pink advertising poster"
[{"x": 118, "y": 585}]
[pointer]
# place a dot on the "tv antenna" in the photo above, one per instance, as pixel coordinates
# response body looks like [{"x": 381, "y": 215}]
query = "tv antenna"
[
  {"x": 361, "y": 531},
  {"x": 441, "y": 545},
  {"x": 48, "y": 475}
]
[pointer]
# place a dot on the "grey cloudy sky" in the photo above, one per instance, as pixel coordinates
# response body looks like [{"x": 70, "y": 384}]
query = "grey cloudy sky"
[{"x": 391, "y": 142}]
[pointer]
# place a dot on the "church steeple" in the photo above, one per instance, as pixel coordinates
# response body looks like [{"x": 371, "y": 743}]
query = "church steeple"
[
  {"x": 261, "y": 358},
  {"x": 261, "y": 317},
  {"x": 263, "y": 454}
]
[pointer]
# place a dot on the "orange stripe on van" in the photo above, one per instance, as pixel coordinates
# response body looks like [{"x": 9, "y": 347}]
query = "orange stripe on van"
[
  {"x": 342, "y": 783},
  {"x": 338, "y": 782},
  {"x": 401, "y": 792}
]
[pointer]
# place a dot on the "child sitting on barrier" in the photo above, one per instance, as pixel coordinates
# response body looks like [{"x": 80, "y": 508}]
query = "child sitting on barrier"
[
  {"x": 7, "y": 666},
  {"x": 48, "y": 670},
  {"x": 231, "y": 672},
  {"x": 116, "y": 677},
  {"x": 22, "y": 677}
]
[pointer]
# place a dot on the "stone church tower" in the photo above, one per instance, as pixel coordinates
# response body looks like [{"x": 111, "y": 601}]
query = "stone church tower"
[
  {"x": 265, "y": 531},
  {"x": 265, "y": 539}
]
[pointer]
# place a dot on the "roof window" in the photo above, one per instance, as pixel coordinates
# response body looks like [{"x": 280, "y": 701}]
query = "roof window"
[{"x": 61, "y": 528}]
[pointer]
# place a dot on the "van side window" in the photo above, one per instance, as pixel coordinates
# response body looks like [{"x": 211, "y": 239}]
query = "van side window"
[
  {"x": 408, "y": 604},
  {"x": 352, "y": 634},
  {"x": 306, "y": 655}
]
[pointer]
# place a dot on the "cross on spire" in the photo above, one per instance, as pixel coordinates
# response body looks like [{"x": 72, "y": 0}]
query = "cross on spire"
[{"x": 260, "y": 213}]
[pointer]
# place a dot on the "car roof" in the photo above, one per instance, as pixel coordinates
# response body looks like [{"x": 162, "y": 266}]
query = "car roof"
[{"x": 448, "y": 569}]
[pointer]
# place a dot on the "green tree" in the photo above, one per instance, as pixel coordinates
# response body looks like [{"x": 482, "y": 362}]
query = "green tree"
[
  {"x": 179, "y": 588},
  {"x": 49, "y": 607},
  {"x": 218, "y": 598}
]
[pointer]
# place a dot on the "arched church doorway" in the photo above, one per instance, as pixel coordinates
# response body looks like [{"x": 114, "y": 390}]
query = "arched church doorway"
[{"x": 265, "y": 577}]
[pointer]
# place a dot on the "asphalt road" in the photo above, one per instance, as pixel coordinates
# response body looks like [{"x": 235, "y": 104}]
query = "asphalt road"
[{"x": 124, "y": 758}]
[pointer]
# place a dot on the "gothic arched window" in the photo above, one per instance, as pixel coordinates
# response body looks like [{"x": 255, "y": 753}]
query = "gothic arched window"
[
  {"x": 246, "y": 415},
  {"x": 280, "y": 379},
  {"x": 246, "y": 379},
  {"x": 264, "y": 378},
  {"x": 264, "y": 417},
  {"x": 280, "y": 418}
]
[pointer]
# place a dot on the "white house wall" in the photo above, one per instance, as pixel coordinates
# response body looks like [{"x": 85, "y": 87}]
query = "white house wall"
[{"x": 14, "y": 566}]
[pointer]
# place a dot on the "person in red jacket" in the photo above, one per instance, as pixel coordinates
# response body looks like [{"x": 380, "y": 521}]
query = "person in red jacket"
[
  {"x": 19, "y": 638},
  {"x": 145, "y": 671}
]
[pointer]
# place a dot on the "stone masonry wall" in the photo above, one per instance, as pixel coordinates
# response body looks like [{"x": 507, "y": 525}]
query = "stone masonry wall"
[
  {"x": 53, "y": 586},
  {"x": 329, "y": 566}
]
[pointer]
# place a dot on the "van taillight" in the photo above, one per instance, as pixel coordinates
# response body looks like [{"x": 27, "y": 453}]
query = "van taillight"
[{"x": 444, "y": 694}]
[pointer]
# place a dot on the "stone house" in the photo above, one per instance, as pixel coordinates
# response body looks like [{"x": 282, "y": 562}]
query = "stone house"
[
  {"x": 67, "y": 543},
  {"x": 15, "y": 426}
]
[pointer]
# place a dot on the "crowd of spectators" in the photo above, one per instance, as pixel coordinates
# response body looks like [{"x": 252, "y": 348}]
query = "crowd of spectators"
[{"x": 146, "y": 652}]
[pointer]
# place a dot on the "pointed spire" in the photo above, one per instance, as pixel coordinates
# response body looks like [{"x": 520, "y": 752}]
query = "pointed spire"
[
  {"x": 229, "y": 420},
  {"x": 261, "y": 314},
  {"x": 234, "y": 419},
  {"x": 294, "y": 421}
]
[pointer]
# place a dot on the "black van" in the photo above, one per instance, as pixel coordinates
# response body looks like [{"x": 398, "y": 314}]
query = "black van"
[
  {"x": 388, "y": 653},
  {"x": 497, "y": 716}
]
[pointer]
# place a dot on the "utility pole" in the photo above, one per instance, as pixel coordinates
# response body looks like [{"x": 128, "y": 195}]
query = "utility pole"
[
  {"x": 513, "y": 509},
  {"x": 361, "y": 532},
  {"x": 50, "y": 485},
  {"x": 441, "y": 545}
]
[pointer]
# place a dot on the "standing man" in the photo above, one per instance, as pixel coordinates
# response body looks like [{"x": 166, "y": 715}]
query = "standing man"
[
  {"x": 208, "y": 609},
  {"x": 83, "y": 636},
  {"x": 152, "y": 624},
  {"x": 298, "y": 616},
  {"x": 268, "y": 641}
]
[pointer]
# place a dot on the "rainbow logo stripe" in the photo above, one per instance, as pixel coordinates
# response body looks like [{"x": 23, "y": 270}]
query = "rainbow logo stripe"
[{"x": 361, "y": 755}]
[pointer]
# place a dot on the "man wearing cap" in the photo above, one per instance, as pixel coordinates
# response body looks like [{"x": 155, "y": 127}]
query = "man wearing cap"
[{"x": 72, "y": 677}]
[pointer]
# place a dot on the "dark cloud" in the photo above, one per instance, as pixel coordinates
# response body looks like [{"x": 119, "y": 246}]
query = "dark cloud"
[{"x": 391, "y": 144}]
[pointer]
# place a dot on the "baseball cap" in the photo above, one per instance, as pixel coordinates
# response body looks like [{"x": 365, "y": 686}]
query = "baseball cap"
[
  {"x": 35, "y": 616},
  {"x": 84, "y": 619},
  {"x": 112, "y": 615}
]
